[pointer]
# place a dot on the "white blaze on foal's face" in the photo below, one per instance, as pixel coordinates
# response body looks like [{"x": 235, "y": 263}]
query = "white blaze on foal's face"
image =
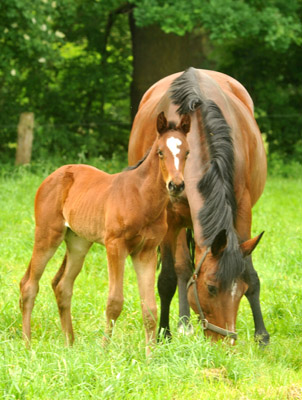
[{"x": 173, "y": 145}]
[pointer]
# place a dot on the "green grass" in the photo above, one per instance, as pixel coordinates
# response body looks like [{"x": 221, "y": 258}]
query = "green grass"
[{"x": 188, "y": 367}]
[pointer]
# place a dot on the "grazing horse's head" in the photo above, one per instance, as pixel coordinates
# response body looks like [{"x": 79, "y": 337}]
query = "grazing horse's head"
[
  {"x": 172, "y": 150},
  {"x": 213, "y": 295}
]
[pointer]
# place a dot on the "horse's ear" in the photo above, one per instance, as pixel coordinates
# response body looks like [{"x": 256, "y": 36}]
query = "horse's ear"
[
  {"x": 162, "y": 123},
  {"x": 185, "y": 123},
  {"x": 249, "y": 245},
  {"x": 219, "y": 243}
]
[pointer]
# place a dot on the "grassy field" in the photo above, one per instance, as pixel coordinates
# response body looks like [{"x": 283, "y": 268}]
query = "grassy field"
[{"x": 188, "y": 367}]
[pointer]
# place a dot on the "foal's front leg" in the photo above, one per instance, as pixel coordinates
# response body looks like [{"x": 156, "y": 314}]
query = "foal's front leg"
[
  {"x": 116, "y": 256},
  {"x": 145, "y": 266}
]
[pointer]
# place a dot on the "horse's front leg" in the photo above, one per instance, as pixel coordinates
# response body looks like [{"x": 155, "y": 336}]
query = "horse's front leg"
[
  {"x": 116, "y": 256},
  {"x": 167, "y": 281},
  {"x": 183, "y": 269},
  {"x": 253, "y": 296},
  {"x": 145, "y": 267},
  {"x": 243, "y": 226}
]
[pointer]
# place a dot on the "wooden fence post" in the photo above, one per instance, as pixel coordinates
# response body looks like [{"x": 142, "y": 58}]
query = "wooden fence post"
[{"x": 25, "y": 138}]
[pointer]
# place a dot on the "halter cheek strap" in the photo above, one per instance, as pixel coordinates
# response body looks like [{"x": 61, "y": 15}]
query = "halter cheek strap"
[{"x": 204, "y": 322}]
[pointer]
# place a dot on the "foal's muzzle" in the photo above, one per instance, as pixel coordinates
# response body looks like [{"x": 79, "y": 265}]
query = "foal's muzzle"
[{"x": 176, "y": 189}]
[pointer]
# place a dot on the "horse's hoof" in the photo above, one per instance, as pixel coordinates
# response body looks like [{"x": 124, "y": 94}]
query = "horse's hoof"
[
  {"x": 185, "y": 329},
  {"x": 164, "y": 335},
  {"x": 262, "y": 339}
]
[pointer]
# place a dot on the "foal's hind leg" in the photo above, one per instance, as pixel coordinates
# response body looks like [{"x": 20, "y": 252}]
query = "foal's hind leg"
[
  {"x": 63, "y": 281},
  {"x": 47, "y": 241}
]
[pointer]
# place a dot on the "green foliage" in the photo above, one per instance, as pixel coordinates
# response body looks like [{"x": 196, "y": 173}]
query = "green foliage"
[
  {"x": 70, "y": 62},
  {"x": 59, "y": 62},
  {"x": 257, "y": 42},
  {"x": 188, "y": 367},
  {"x": 277, "y": 22}
]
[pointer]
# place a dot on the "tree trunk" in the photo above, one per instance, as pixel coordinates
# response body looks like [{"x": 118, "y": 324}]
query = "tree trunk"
[
  {"x": 25, "y": 138},
  {"x": 157, "y": 54}
]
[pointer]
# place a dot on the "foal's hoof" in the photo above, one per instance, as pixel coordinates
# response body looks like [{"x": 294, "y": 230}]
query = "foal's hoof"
[
  {"x": 262, "y": 339},
  {"x": 106, "y": 341}
]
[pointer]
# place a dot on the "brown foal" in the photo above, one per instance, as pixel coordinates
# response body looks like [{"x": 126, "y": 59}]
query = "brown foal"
[{"x": 126, "y": 212}]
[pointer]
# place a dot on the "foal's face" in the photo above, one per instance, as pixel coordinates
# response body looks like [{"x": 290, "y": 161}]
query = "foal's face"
[{"x": 173, "y": 150}]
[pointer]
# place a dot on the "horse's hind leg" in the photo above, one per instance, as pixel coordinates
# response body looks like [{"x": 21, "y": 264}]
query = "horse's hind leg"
[
  {"x": 253, "y": 296},
  {"x": 63, "y": 281},
  {"x": 46, "y": 243}
]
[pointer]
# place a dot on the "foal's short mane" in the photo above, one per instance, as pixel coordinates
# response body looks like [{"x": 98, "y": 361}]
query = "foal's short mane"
[
  {"x": 131, "y": 167},
  {"x": 217, "y": 185}
]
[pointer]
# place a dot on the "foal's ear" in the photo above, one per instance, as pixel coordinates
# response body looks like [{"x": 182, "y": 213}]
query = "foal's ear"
[
  {"x": 185, "y": 123},
  {"x": 248, "y": 246},
  {"x": 162, "y": 123},
  {"x": 219, "y": 243}
]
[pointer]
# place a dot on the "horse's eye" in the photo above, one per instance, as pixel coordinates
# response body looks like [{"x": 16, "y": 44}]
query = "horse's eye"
[
  {"x": 160, "y": 154},
  {"x": 187, "y": 153},
  {"x": 212, "y": 290}
]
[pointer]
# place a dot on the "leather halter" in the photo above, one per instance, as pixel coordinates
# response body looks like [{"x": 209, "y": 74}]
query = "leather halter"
[{"x": 204, "y": 322}]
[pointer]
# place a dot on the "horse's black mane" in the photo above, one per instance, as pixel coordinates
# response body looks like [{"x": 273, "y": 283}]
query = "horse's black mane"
[
  {"x": 217, "y": 185},
  {"x": 131, "y": 167}
]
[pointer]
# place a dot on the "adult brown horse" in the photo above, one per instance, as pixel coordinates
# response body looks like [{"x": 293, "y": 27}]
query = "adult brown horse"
[
  {"x": 225, "y": 175},
  {"x": 126, "y": 212}
]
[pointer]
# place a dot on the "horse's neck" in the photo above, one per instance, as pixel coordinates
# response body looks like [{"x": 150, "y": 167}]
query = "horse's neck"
[{"x": 194, "y": 171}]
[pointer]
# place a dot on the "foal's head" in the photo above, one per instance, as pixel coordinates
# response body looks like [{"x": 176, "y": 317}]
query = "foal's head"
[{"x": 173, "y": 150}]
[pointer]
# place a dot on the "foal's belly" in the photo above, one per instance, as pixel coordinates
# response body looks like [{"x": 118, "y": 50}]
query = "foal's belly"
[{"x": 91, "y": 229}]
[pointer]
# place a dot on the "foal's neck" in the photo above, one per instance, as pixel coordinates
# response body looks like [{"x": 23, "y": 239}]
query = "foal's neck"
[{"x": 150, "y": 179}]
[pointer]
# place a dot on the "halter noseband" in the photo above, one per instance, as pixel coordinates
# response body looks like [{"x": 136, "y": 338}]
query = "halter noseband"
[{"x": 204, "y": 322}]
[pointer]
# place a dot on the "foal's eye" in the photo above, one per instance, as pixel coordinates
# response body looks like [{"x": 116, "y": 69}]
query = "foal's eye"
[
  {"x": 212, "y": 290},
  {"x": 160, "y": 154},
  {"x": 187, "y": 153}
]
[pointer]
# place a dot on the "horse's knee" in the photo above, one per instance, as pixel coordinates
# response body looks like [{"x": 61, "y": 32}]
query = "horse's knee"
[
  {"x": 253, "y": 283},
  {"x": 166, "y": 285},
  {"x": 183, "y": 270},
  {"x": 114, "y": 307}
]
